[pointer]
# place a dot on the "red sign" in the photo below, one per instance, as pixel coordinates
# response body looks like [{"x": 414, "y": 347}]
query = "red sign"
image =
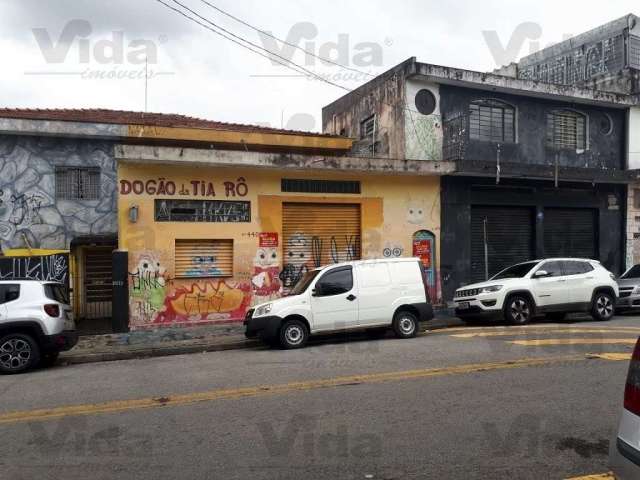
[
  {"x": 422, "y": 250},
  {"x": 268, "y": 239}
]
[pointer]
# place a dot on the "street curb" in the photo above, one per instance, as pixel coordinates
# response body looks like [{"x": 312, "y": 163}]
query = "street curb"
[
  {"x": 188, "y": 349},
  {"x": 155, "y": 352}
]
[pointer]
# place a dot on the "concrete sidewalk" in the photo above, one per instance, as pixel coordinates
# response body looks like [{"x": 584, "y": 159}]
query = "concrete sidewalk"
[{"x": 177, "y": 341}]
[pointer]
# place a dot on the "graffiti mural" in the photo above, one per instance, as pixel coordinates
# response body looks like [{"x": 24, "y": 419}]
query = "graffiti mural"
[
  {"x": 266, "y": 270},
  {"x": 30, "y": 213},
  {"x": 148, "y": 282},
  {"x": 205, "y": 301},
  {"x": 157, "y": 299}
]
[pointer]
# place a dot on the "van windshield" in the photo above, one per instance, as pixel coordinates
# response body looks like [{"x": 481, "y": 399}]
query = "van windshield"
[
  {"x": 304, "y": 282},
  {"x": 516, "y": 271}
]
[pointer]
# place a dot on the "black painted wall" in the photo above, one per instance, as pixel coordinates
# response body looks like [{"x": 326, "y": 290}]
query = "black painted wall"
[
  {"x": 604, "y": 151},
  {"x": 458, "y": 194}
]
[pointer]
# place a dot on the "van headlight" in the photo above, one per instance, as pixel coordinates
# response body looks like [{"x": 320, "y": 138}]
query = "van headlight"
[
  {"x": 263, "y": 310},
  {"x": 490, "y": 289}
]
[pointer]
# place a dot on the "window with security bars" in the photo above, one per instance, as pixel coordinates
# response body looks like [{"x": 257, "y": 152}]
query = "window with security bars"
[
  {"x": 77, "y": 183},
  {"x": 566, "y": 129},
  {"x": 203, "y": 258},
  {"x": 367, "y": 127},
  {"x": 492, "y": 121}
]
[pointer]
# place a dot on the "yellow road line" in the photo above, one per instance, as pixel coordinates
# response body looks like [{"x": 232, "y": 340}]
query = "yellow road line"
[
  {"x": 610, "y": 356},
  {"x": 234, "y": 393},
  {"x": 508, "y": 328},
  {"x": 600, "y": 476},
  {"x": 554, "y": 332},
  {"x": 575, "y": 341}
]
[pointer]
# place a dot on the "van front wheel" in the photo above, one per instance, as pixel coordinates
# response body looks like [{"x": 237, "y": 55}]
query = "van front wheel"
[
  {"x": 405, "y": 324},
  {"x": 293, "y": 334}
]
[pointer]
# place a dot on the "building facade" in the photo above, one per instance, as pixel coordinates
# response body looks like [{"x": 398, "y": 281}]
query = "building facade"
[
  {"x": 208, "y": 234},
  {"x": 540, "y": 169}
]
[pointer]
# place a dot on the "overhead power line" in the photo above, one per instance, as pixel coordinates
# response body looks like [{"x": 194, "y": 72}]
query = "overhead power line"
[
  {"x": 269, "y": 55},
  {"x": 254, "y": 45},
  {"x": 293, "y": 45}
]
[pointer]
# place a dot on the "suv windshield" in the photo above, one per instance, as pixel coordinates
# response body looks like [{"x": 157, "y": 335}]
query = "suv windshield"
[
  {"x": 56, "y": 292},
  {"x": 516, "y": 271},
  {"x": 633, "y": 272},
  {"x": 304, "y": 282}
]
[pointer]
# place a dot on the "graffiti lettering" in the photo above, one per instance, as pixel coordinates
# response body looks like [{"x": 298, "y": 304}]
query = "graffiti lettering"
[
  {"x": 202, "y": 211},
  {"x": 47, "y": 268},
  {"x": 25, "y": 208}
]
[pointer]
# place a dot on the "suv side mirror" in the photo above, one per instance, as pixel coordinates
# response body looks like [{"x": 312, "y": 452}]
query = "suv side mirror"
[
  {"x": 541, "y": 274},
  {"x": 317, "y": 292}
]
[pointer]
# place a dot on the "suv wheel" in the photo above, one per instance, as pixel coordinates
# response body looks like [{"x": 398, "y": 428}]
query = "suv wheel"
[
  {"x": 518, "y": 310},
  {"x": 18, "y": 353},
  {"x": 603, "y": 306},
  {"x": 405, "y": 325},
  {"x": 293, "y": 334}
]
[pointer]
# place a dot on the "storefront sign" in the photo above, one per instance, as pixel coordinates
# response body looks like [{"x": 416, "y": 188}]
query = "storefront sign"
[
  {"x": 268, "y": 239},
  {"x": 194, "y": 188}
]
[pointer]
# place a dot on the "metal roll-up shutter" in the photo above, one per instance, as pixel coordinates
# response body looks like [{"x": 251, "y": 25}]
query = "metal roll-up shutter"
[
  {"x": 316, "y": 234},
  {"x": 570, "y": 232},
  {"x": 203, "y": 258},
  {"x": 509, "y": 237}
]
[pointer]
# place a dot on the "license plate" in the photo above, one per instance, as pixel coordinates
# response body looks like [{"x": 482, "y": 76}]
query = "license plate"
[{"x": 464, "y": 305}]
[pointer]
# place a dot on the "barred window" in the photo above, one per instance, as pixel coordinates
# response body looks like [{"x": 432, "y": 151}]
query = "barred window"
[
  {"x": 492, "y": 121},
  {"x": 77, "y": 183},
  {"x": 367, "y": 127},
  {"x": 566, "y": 129}
]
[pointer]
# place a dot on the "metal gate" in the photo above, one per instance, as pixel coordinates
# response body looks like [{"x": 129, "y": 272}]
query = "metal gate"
[
  {"x": 97, "y": 285},
  {"x": 316, "y": 234},
  {"x": 501, "y": 235},
  {"x": 570, "y": 232}
]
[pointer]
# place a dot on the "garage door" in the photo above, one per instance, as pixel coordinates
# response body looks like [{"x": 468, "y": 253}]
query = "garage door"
[
  {"x": 509, "y": 238},
  {"x": 316, "y": 234},
  {"x": 570, "y": 232}
]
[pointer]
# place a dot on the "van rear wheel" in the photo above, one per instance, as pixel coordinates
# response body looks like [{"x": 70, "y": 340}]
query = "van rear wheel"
[{"x": 405, "y": 324}]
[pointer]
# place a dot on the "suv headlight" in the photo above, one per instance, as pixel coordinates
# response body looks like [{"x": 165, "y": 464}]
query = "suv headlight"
[
  {"x": 262, "y": 310},
  {"x": 490, "y": 289}
]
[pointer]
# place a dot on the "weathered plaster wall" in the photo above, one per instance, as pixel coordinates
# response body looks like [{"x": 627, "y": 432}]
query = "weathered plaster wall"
[
  {"x": 423, "y": 133},
  {"x": 383, "y": 96},
  {"x": 30, "y": 214},
  {"x": 605, "y": 150},
  {"x": 391, "y": 212}
]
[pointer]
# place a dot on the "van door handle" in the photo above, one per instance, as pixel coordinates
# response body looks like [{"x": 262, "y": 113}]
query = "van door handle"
[{"x": 351, "y": 297}]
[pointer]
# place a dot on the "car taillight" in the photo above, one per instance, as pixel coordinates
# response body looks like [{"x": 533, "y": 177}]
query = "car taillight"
[
  {"x": 52, "y": 310},
  {"x": 632, "y": 389}
]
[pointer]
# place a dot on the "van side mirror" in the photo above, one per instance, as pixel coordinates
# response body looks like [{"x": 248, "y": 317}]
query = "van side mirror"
[{"x": 541, "y": 274}]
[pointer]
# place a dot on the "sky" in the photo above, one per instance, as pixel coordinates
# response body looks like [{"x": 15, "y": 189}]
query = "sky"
[{"x": 91, "y": 53}]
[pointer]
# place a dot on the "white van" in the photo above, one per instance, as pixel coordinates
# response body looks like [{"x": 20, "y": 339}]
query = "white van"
[{"x": 346, "y": 296}]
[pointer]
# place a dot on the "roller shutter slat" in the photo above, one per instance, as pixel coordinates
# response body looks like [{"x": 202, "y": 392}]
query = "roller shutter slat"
[
  {"x": 316, "y": 234},
  {"x": 509, "y": 238},
  {"x": 203, "y": 258}
]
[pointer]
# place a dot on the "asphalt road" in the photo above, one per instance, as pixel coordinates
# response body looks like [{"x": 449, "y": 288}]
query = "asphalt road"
[{"x": 458, "y": 404}]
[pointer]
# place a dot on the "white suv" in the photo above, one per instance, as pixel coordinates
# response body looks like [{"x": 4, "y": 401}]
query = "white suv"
[
  {"x": 554, "y": 287},
  {"x": 36, "y": 324}
]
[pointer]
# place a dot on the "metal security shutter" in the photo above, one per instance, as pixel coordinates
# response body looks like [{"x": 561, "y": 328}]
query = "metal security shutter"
[
  {"x": 570, "y": 232},
  {"x": 318, "y": 234},
  {"x": 509, "y": 238},
  {"x": 204, "y": 258}
]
